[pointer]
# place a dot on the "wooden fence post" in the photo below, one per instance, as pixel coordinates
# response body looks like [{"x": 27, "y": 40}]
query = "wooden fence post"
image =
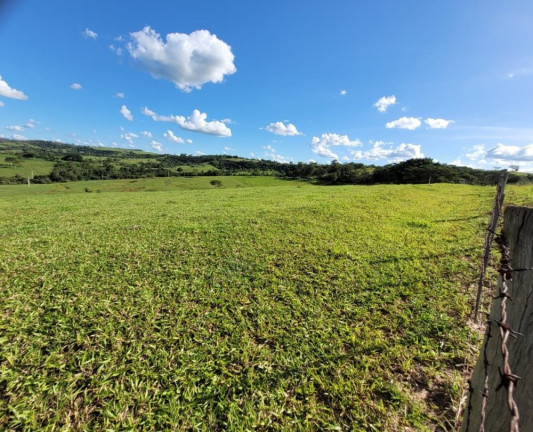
[
  {"x": 489, "y": 387},
  {"x": 491, "y": 229}
]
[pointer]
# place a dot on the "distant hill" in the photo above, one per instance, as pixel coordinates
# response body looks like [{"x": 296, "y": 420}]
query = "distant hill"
[{"x": 48, "y": 162}]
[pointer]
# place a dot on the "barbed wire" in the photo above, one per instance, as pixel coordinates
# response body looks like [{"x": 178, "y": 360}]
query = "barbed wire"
[{"x": 509, "y": 380}]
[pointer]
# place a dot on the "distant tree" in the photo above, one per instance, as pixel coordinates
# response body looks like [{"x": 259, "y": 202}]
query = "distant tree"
[
  {"x": 12, "y": 160},
  {"x": 73, "y": 157},
  {"x": 514, "y": 168},
  {"x": 216, "y": 183}
]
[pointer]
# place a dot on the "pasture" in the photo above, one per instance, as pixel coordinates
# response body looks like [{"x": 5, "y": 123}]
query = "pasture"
[{"x": 170, "y": 304}]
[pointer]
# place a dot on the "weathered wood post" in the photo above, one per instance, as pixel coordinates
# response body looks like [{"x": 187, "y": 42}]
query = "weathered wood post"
[
  {"x": 491, "y": 229},
  {"x": 501, "y": 389}
]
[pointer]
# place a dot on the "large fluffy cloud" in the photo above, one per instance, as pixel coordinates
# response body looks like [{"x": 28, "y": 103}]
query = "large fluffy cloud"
[
  {"x": 437, "y": 123},
  {"x": 401, "y": 152},
  {"x": 196, "y": 122},
  {"x": 187, "y": 60},
  {"x": 511, "y": 153},
  {"x": 322, "y": 145},
  {"x": 7, "y": 91},
  {"x": 385, "y": 102},
  {"x": 283, "y": 128},
  {"x": 410, "y": 123}
]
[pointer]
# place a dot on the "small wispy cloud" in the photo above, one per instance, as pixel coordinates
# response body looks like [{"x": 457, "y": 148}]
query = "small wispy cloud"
[
  {"x": 129, "y": 136},
  {"x": 410, "y": 123},
  {"x": 120, "y": 95},
  {"x": 76, "y": 86},
  {"x": 271, "y": 153},
  {"x": 15, "y": 128},
  {"x": 126, "y": 113},
  {"x": 282, "y": 128},
  {"x": 385, "y": 102},
  {"x": 196, "y": 122},
  {"x": 169, "y": 135},
  {"x": 89, "y": 34},
  {"x": 380, "y": 150},
  {"x": 156, "y": 145},
  {"x": 343, "y": 92},
  {"x": 519, "y": 72},
  {"x": 437, "y": 123}
]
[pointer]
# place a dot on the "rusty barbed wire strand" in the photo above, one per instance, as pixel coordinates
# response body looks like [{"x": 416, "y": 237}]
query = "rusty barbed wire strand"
[{"x": 509, "y": 380}]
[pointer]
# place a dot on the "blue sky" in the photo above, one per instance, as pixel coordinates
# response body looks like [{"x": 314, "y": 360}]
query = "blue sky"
[{"x": 365, "y": 81}]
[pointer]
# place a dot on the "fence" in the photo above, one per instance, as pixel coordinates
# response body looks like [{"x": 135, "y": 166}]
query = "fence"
[
  {"x": 501, "y": 389},
  {"x": 491, "y": 230}
]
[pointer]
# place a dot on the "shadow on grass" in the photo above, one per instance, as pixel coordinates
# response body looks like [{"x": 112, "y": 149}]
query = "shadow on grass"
[{"x": 460, "y": 252}]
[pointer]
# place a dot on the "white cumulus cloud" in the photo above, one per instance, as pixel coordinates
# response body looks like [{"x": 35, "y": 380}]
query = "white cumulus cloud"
[
  {"x": 511, "y": 153},
  {"x": 478, "y": 152},
  {"x": 9, "y": 92},
  {"x": 129, "y": 136},
  {"x": 343, "y": 92},
  {"x": 90, "y": 34},
  {"x": 283, "y": 128},
  {"x": 126, "y": 113},
  {"x": 120, "y": 95},
  {"x": 196, "y": 122},
  {"x": 147, "y": 134},
  {"x": 19, "y": 137},
  {"x": 322, "y": 145},
  {"x": 76, "y": 86},
  {"x": 271, "y": 153},
  {"x": 437, "y": 123},
  {"x": 169, "y": 135},
  {"x": 16, "y": 128},
  {"x": 117, "y": 50},
  {"x": 385, "y": 102},
  {"x": 410, "y": 123},
  {"x": 187, "y": 60},
  {"x": 156, "y": 145},
  {"x": 378, "y": 151}
]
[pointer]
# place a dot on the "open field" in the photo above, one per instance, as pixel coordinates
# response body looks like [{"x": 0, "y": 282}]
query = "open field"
[
  {"x": 24, "y": 167},
  {"x": 259, "y": 305},
  {"x": 160, "y": 184}
]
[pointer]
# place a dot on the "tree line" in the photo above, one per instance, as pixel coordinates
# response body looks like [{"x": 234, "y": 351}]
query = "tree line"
[{"x": 75, "y": 163}]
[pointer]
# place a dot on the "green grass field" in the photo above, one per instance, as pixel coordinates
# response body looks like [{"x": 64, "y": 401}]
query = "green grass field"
[
  {"x": 259, "y": 305},
  {"x": 24, "y": 167}
]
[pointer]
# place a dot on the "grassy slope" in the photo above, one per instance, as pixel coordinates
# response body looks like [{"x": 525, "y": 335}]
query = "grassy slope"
[
  {"x": 268, "y": 307},
  {"x": 145, "y": 185},
  {"x": 24, "y": 167}
]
